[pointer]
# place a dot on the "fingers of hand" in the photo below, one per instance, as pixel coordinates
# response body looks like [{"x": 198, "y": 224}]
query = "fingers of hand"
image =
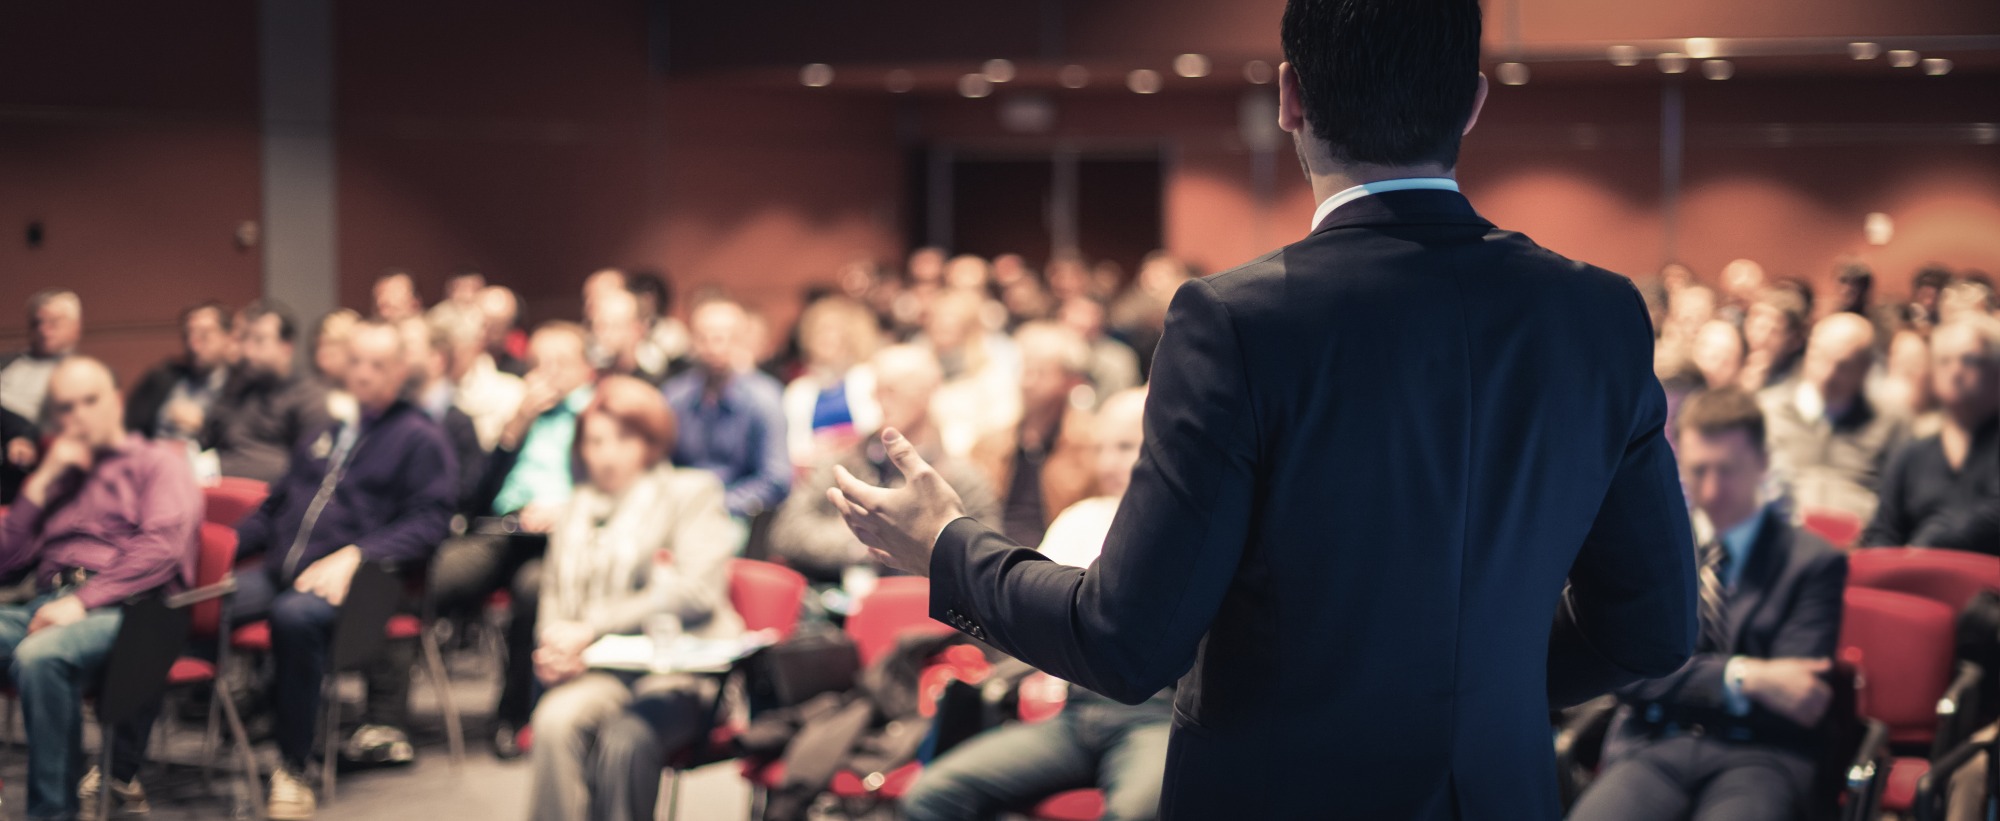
[{"x": 861, "y": 494}]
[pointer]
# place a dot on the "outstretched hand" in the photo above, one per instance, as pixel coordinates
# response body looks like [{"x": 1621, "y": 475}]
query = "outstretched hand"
[{"x": 900, "y": 526}]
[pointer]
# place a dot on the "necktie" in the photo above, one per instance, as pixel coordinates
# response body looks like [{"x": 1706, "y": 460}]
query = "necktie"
[{"x": 1714, "y": 623}]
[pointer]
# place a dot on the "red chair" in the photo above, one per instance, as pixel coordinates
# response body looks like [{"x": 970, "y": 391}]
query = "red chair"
[
  {"x": 1841, "y": 528},
  {"x": 233, "y": 498},
  {"x": 1950, "y": 577},
  {"x": 208, "y": 621},
  {"x": 1042, "y": 698},
  {"x": 1902, "y": 646}
]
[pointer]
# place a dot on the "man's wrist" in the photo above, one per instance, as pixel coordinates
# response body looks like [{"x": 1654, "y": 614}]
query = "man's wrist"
[{"x": 1736, "y": 684}]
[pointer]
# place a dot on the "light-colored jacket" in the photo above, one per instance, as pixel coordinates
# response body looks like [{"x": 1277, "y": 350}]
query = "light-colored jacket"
[{"x": 601, "y": 568}]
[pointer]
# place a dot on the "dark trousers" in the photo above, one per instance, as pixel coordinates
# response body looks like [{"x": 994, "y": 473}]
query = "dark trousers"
[
  {"x": 1700, "y": 778},
  {"x": 301, "y": 646},
  {"x": 467, "y": 572}
]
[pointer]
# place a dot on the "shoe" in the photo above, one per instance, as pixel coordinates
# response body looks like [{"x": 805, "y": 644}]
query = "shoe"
[
  {"x": 378, "y": 744},
  {"x": 128, "y": 800},
  {"x": 291, "y": 799},
  {"x": 507, "y": 741}
]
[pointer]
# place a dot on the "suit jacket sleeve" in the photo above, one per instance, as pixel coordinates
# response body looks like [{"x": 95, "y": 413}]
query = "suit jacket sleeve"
[
  {"x": 1129, "y": 624},
  {"x": 1629, "y": 613}
]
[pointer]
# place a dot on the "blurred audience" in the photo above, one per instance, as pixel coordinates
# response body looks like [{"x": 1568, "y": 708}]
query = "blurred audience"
[
  {"x": 1774, "y": 333},
  {"x": 1944, "y": 490},
  {"x": 431, "y": 390},
  {"x": 266, "y": 406},
  {"x": 981, "y": 392},
  {"x": 731, "y": 416},
  {"x": 832, "y": 403},
  {"x": 1718, "y": 352},
  {"x": 480, "y": 388},
  {"x": 1733, "y": 734},
  {"x": 330, "y": 358},
  {"x": 107, "y": 516},
  {"x": 55, "y": 329},
  {"x": 639, "y": 543},
  {"x": 663, "y": 348},
  {"x": 1113, "y": 365},
  {"x": 1041, "y": 465},
  {"x": 396, "y": 297},
  {"x": 173, "y": 399},
  {"x": 617, "y": 330},
  {"x": 1828, "y": 440},
  {"x": 501, "y": 309}
]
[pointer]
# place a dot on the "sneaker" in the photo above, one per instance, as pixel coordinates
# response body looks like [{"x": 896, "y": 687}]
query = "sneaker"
[
  {"x": 378, "y": 744},
  {"x": 128, "y": 800},
  {"x": 291, "y": 799},
  {"x": 508, "y": 741}
]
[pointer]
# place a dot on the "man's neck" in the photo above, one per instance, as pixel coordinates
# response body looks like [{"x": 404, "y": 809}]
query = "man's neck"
[
  {"x": 1736, "y": 519},
  {"x": 1332, "y": 178}
]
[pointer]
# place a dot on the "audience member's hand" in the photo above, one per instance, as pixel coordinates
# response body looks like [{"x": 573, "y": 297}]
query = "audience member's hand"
[
  {"x": 901, "y": 524},
  {"x": 21, "y": 452},
  {"x": 185, "y": 415},
  {"x": 567, "y": 636},
  {"x": 57, "y": 613},
  {"x": 1791, "y": 687},
  {"x": 553, "y": 666},
  {"x": 537, "y": 397},
  {"x": 64, "y": 453},
  {"x": 537, "y": 518},
  {"x": 329, "y": 577}
]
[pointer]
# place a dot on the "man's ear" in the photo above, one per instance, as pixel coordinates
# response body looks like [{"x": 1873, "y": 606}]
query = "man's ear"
[
  {"x": 1478, "y": 103},
  {"x": 1291, "y": 100}
]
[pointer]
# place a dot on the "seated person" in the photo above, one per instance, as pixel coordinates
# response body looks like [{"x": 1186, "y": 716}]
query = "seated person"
[
  {"x": 19, "y": 450},
  {"x": 267, "y": 406},
  {"x": 379, "y": 489},
  {"x": 1041, "y": 465},
  {"x": 639, "y": 540},
  {"x": 732, "y": 422},
  {"x": 108, "y": 515},
  {"x": 1829, "y": 442},
  {"x": 616, "y": 331},
  {"x": 431, "y": 389},
  {"x": 1944, "y": 490},
  {"x": 527, "y": 481},
  {"x": 1094, "y": 742},
  {"x": 173, "y": 399},
  {"x": 1733, "y": 734},
  {"x": 808, "y": 533}
]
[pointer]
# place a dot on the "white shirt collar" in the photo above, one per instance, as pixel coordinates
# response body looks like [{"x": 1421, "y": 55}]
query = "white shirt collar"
[{"x": 1377, "y": 187}]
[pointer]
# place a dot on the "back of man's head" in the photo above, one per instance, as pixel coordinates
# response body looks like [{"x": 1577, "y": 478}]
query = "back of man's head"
[{"x": 1386, "y": 82}]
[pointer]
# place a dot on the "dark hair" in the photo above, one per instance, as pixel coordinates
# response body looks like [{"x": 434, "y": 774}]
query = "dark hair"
[
  {"x": 649, "y": 283},
  {"x": 1721, "y": 410},
  {"x": 1386, "y": 82},
  {"x": 288, "y": 328},
  {"x": 221, "y": 314},
  {"x": 1931, "y": 276}
]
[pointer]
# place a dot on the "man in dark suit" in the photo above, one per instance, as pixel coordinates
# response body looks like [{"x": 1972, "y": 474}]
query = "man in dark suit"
[
  {"x": 1733, "y": 733},
  {"x": 1372, "y": 458}
]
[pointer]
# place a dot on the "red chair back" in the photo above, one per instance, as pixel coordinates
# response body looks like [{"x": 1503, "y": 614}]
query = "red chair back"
[
  {"x": 768, "y": 596},
  {"x": 233, "y": 498},
  {"x": 1841, "y": 528},
  {"x": 898, "y": 604},
  {"x": 1949, "y": 577},
  {"x": 217, "y": 558},
  {"x": 1902, "y": 646}
]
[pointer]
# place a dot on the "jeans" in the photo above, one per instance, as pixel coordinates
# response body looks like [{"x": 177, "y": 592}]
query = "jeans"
[
  {"x": 601, "y": 739},
  {"x": 301, "y": 645},
  {"x": 1118, "y": 749},
  {"x": 51, "y": 670}
]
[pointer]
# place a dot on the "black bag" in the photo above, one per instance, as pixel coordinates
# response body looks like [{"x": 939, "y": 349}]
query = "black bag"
[{"x": 796, "y": 670}]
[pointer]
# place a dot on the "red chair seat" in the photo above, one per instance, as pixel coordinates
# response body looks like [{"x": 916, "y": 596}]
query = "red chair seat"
[
  {"x": 846, "y": 784},
  {"x": 1900, "y": 794},
  {"x": 254, "y": 637},
  {"x": 1075, "y": 805},
  {"x": 188, "y": 671},
  {"x": 404, "y": 627}
]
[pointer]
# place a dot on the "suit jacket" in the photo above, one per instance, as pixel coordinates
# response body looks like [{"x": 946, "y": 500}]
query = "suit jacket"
[
  {"x": 1787, "y": 603},
  {"x": 1371, "y": 459}
]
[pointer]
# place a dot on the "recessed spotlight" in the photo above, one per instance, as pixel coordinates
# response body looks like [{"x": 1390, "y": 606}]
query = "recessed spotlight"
[
  {"x": 1864, "y": 51},
  {"x": 1936, "y": 66},
  {"x": 816, "y": 75},
  {"x": 1985, "y": 133},
  {"x": 1718, "y": 69},
  {"x": 1073, "y": 76},
  {"x": 974, "y": 86},
  {"x": 1626, "y": 56},
  {"x": 1672, "y": 62},
  {"x": 1512, "y": 74},
  {"x": 1257, "y": 72},
  {"x": 1701, "y": 48},
  {"x": 1143, "y": 81},
  {"x": 998, "y": 71},
  {"x": 1191, "y": 65},
  {"x": 1903, "y": 58}
]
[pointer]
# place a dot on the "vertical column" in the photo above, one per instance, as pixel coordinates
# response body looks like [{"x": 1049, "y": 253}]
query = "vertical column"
[{"x": 295, "y": 59}]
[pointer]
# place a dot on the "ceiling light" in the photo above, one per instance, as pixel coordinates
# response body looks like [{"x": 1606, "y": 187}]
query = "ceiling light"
[
  {"x": 816, "y": 75},
  {"x": 1936, "y": 66},
  {"x": 1257, "y": 72},
  {"x": 1903, "y": 58},
  {"x": 974, "y": 86},
  {"x": 1864, "y": 51},
  {"x": 1073, "y": 76},
  {"x": 1701, "y": 48},
  {"x": 1623, "y": 55},
  {"x": 1191, "y": 65},
  {"x": 998, "y": 71},
  {"x": 1673, "y": 62},
  {"x": 1143, "y": 81},
  {"x": 1512, "y": 74},
  {"x": 899, "y": 81},
  {"x": 1718, "y": 69}
]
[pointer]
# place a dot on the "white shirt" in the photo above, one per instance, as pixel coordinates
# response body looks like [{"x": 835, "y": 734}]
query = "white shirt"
[
  {"x": 1077, "y": 536},
  {"x": 1377, "y": 187}
]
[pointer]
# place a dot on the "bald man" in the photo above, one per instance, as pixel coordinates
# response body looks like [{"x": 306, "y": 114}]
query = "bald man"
[
  {"x": 616, "y": 330},
  {"x": 380, "y": 489},
  {"x": 107, "y": 516},
  {"x": 1828, "y": 442}
]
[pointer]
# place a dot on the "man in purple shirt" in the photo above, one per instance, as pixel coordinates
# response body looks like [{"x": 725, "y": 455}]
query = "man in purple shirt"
[{"x": 108, "y": 515}]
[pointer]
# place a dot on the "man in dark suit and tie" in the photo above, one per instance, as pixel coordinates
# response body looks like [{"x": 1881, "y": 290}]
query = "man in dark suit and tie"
[
  {"x": 1734, "y": 733},
  {"x": 1372, "y": 459}
]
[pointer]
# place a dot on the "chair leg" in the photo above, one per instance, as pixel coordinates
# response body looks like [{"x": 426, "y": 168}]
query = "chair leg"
[
  {"x": 211, "y": 736},
  {"x": 454, "y": 728},
  {"x": 243, "y": 750},
  {"x": 330, "y": 750},
  {"x": 105, "y": 734},
  {"x": 673, "y": 794}
]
